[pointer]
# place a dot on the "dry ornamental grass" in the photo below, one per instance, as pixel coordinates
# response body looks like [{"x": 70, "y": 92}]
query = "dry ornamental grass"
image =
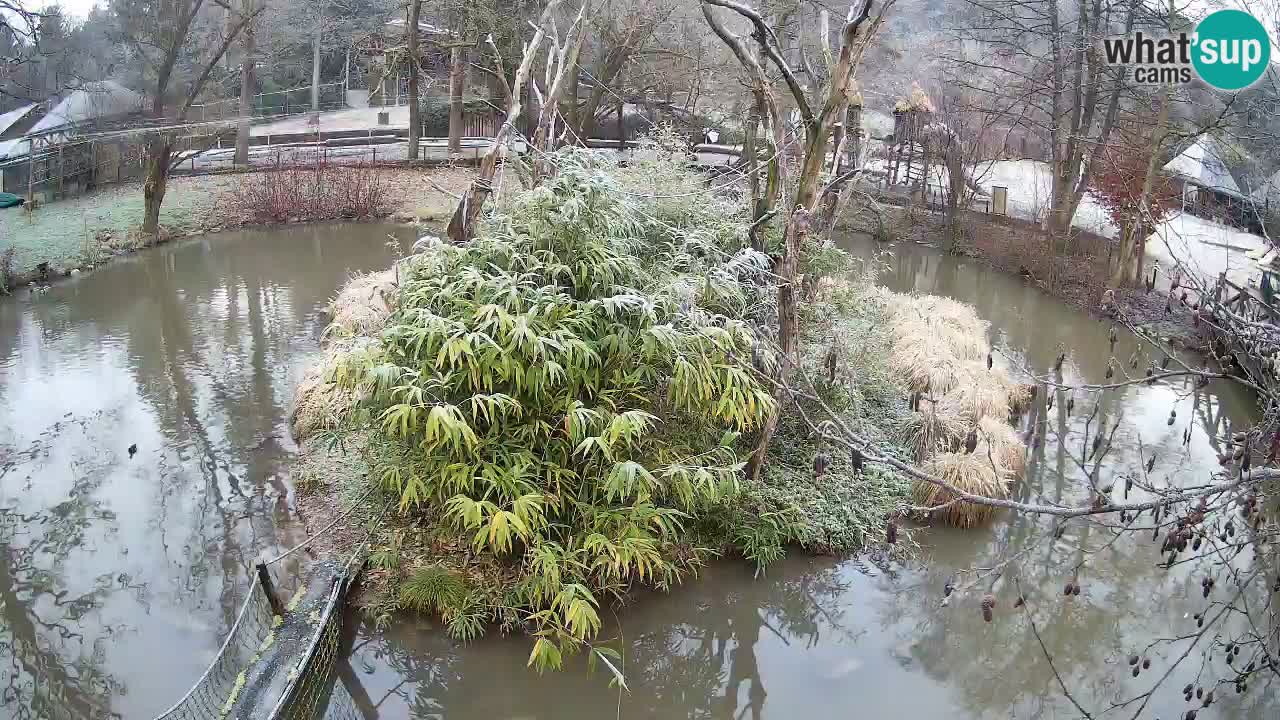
[
  {"x": 359, "y": 313},
  {"x": 940, "y": 351}
]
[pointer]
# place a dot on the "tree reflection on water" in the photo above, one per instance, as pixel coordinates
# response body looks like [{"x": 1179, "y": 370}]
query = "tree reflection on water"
[
  {"x": 695, "y": 656},
  {"x": 53, "y": 669}
]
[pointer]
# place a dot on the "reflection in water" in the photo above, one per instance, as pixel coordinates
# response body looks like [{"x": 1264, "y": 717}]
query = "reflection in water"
[
  {"x": 819, "y": 638},
  {"x": 119, "y": 576},
  {"x": 723, "y": 646}
]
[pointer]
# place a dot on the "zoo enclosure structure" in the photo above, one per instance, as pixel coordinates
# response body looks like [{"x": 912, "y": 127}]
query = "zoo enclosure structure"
[
  {"x": 274, "y": 104},
  {"x": 59, "y": 166},
  {"x": 909, "y": 150}
]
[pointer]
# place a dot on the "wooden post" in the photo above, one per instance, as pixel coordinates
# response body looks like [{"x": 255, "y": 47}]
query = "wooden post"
[
  {"x": 61, "y": 170},
  {"x": 31, "y": 171},
  {"x": 268, "y": 587},
  {"x": 622, "y": 129}
]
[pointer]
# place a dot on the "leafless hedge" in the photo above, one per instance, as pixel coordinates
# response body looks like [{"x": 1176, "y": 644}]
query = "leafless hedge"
[{"x": 318, "y": 191}]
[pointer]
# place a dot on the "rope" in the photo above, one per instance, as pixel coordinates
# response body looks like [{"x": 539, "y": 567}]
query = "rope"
[
  {"x": 311, "y": 538},
  {"x": 368, "y": 538},
  {"x": 244, "y": 609}
]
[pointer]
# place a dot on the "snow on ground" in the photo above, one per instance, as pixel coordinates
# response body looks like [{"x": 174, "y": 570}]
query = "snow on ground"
[
  {"x": 355, "y": 119},
  {"x": 1210, "y": 247},
  {"x": 1207, "y": 246},
  {"x": 1029, "y": 183}
]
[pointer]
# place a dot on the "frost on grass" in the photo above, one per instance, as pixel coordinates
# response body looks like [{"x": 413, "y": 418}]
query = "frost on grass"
[{"x": 561, "y": 410}]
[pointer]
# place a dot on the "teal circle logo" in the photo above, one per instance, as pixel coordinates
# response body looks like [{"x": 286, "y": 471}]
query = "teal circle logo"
[{"x": 1232, "y": 50}]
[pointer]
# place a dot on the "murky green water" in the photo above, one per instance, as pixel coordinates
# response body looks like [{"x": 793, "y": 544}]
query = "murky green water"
[
  {"x": 830, "y": 638},
  {"x": 119, "y": 575}
]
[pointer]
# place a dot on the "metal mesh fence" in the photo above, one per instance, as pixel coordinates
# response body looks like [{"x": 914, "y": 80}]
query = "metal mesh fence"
[
  {"x": 301, "y": 648},
  {"x": 309, "y": 694},
  {"x": 214, "y": 692}
]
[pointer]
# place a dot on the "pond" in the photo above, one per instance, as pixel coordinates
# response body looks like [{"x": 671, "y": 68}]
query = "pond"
[
  {"x": 825, "y": 637},
  {"x": 120, "y": 574}
]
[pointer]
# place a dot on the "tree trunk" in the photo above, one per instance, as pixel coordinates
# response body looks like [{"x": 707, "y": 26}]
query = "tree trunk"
[
  {"x": 247, "y": 64},
  {"x": 462, "y": 223},
  {"x": 411, "y": 41},
  {"x": 787, "y": 270},
  {"x": 756, "y": 233},
  {"x": 831, "y": 199},
  {"x": 159, "y": 147},
  {"x": 455, "y": 101},
  {"x": 604, "y": 75},
  {"x": 315, "y": 65},
  {"x": 955, "y": 191},
  {"x": 1134, "y": 245},
  {"x": 153, "y": 188},
  {"x": 1140, "y": 251},
  {"x": 561, "y": 59},
  {"x": 818, "y": 132},
  {"x": 622, "y": 126},
  {"x": 571, "y": 99}
]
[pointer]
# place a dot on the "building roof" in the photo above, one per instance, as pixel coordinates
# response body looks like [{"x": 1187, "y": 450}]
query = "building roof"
[
  {"x": 90, "y": 102},
  {"x": 1204, "y": 164},
  {"x": 12, "y": 117}
]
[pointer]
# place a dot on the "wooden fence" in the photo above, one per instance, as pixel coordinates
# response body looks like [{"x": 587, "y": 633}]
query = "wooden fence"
[{"x": 1244, "y": 324}]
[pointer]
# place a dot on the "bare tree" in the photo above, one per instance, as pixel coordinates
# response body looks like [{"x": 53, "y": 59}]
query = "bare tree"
[
  {"x": 19, "y": 48},
  {"x": 818, "y": 123},
  {"x": 161, "y": 33},
  {"x": 966, "y": 136},
  {"x": 1041, "y": 61},
  {"x": 462, "y": 223},
  {"x": 622, "y": 29},
  {"x": 562, "y": 60},
  {"x": 457, "y": 52}
]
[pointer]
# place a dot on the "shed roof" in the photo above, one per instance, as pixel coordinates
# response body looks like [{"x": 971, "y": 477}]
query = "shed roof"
[
  {"x": 89, "y": 102},
  {"x": 1203, "y": 164}
]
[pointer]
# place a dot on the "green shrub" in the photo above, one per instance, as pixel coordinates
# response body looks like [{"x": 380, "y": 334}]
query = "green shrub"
[
  {"x": 565, "y": 393},
  {"x": 571, "y": 395}
]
